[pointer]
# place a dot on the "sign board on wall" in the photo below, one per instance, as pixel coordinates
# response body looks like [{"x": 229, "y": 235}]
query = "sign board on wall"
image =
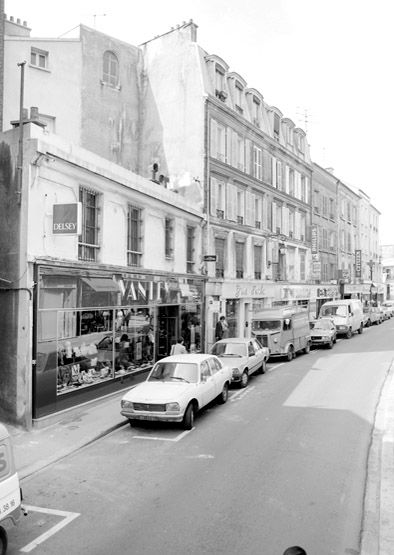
[
  {"x": 357, "y": 256},
  {"x": 67, "y": 219},
  {"x": 315, "y": 239}
]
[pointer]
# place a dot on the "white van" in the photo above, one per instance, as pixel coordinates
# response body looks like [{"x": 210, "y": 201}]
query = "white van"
[{"x": 347, "y": 315}]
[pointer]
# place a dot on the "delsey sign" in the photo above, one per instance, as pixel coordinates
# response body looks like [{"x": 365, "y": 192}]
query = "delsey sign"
[
  {"x": 67, "y": 219},
  {"x": 358, "y": 262}
]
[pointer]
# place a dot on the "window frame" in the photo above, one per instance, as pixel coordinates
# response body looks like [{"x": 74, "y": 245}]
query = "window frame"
[
  {"x": 39, "y": 53},
  {"x": 110, "y": 78},
  {"x": 169, "y": 237},
  {"x": 134, "y": 255},
  {"x": 88, "y": 250}
]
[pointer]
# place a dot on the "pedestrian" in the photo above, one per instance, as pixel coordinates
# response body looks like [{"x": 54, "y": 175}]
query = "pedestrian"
[
  {"x": 178, "y": 348},
  {"x": 295, "y": 550},
  {"x": 221, "y": 330}
]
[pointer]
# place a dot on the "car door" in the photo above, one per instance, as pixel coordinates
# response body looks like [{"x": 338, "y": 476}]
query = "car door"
[
  {"x": 253, "y": 360},
  {"x": 207, "y": 385},
  {"x": 219, "y": 374}
]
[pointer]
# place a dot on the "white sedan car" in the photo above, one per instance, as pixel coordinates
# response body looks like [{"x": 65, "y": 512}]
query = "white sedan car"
[
  {"x": 243, "y": 356},
  {"x": 177, "y": 388}
]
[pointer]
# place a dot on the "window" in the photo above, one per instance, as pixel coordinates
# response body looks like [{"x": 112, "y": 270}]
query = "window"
[
  {"x": 218, "y": 141},
  {"x": 291, "y": 182},
  {"x": 219, "y": 79},
  {"x": 279, "y": 175},
  {"x": 134, "y": 240},
  {"x": 219, "y": 251},
  {"x": 257, "y": 163},
  {"x": 39, "y": 58},
  {"x": 190, "y": 237},
  {"x": 88, "y": 241},
  {"x": 110, "y": 69},
  {"x": 291, "y": 223},
  {"x": 168, "y": 238},
  {"x": 303, "y": 226},
  {"x": 240, "y": 207},
  {"x": 239, "y": 259},
  {"x": 258, "y": 260},
  {"x": 278, "y": 218},
  {"x": 256, "y": 111},
  {"x": 258, "y": 212},
  {"x": 276, "y": 126},
  {"x": 303, "y": 188},
  {"x": 238, "y": 97}
]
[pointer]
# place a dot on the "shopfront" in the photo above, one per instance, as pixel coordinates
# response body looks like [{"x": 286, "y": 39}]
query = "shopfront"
[{"x": 97, "y": 332}]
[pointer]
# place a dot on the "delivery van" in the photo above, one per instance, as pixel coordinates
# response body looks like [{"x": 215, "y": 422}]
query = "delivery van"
[
  {"x": 285, "y": 331},
  {"x": 347, "y": 315},
  {"x": 10, "y": 492}
]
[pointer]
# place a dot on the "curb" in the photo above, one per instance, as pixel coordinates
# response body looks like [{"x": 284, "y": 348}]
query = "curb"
[
  {"x": 377, "y": 534},
  {"x": 29, "y": 470}
]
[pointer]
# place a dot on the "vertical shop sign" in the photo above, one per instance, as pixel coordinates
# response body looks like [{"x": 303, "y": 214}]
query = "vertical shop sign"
[
  {"x": 314, "y": 237},
  {"x": 358, "y": 263}
]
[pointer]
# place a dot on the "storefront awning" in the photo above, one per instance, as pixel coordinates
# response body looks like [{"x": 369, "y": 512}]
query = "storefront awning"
[{"x": 101, "y": 285}]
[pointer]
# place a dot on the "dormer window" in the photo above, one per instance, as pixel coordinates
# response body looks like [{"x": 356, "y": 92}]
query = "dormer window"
[
  {"x": 276, "y": 126},
  {"x": 256, "y": 111},
  {"x": 301, "y": 143},
  {"x": 110, "y": 69},
  {"x": 239, "y": 97},
  {"x": 219, "y": 78}
]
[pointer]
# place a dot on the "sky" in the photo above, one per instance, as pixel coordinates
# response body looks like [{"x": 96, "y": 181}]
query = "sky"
[{"x": 326, "y": 64}]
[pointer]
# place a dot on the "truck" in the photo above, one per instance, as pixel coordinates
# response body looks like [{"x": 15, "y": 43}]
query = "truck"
[
  {"x": 347, "y": 315},
  {"x": 285, "y": 331}
]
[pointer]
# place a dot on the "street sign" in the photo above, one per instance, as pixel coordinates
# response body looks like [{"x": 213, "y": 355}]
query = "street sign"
[{"x": 210, "y": 258}]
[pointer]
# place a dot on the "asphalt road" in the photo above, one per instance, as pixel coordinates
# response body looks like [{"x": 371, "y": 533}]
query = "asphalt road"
[{"x": 282, "y": 463}]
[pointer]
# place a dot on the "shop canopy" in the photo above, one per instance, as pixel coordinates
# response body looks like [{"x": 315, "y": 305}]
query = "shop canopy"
[{"x": 101, "y": 284}]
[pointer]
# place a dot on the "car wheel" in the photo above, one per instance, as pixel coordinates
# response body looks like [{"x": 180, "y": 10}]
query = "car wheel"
[
  {"x": 361, "y": 329},
  {"x": 290, "y": 353},
  {"x": 335, "y": 339},
  {"x": 131, "y": 422},
  {"x": 188, "y": 418},
  {"x": 307, "y": 349},
  {"x": 224, "y": 394},
  {"x": 349, "y": 333},
  {"x": 263, "y": 368},
  {"x": 330, "y": 344},
  {"x": 3, "y": 541},
  {"x": 244, "y": 379}
]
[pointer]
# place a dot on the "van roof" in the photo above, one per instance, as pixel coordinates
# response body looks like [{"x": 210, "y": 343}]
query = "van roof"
[
  {"x": 341, "y": 301},
  {"x": 266, "y": 313}
]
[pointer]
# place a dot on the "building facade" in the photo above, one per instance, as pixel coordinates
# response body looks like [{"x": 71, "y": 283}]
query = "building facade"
[{"x": 105, "y": 276}]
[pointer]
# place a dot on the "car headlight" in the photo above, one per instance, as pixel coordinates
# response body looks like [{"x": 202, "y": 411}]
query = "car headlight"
[
  {"x": 236, "y": 372},
  {"x": 325, "y": 338},
  {"x": 172, "y": 407},
  {"x": 126, "y": 404}
]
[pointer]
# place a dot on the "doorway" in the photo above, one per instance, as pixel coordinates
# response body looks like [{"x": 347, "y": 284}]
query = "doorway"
[{"x": 167, "y": 329}]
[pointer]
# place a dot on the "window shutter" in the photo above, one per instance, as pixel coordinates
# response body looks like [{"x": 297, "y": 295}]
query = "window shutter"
[
  {"x": 297, "y": 226},
  {"x": 231, "y": 212},
  {"x": 214, "y": 196},
  {"x": 287, "y": 179},
  {"x": 285, "y": 220},
  {"x": 250, "y": 209},
  {"x": 279, "y": 175},
  {"x": 307, "y": 189},
  {"x": 297, "y": 179},
  {"x": 234, "y": 148},
  {"x": 248, "y": 156},
  {"x": 228, "y": 151},
  {"x": 214, "y": 146},
  {"x": 267, "y": 167},
  {"x": 268, "y": 214},
  {"x": 274, "y": 178},
  {"x": 273, "y": 227}
]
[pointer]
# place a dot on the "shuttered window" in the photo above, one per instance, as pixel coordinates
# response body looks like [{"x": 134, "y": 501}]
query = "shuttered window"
[
  {"x": 239, "y": 259},
  {"x": 220, "y": 245},
  {"x": 258, "y": 261},
  {"x": 88, "y": 246},
  {"x": 134, "y": 239}
]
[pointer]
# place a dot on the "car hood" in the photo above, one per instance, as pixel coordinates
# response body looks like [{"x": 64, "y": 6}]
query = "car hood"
[
  {"x": 158, "y": 392},
  {"x": 230, "y": 361}
]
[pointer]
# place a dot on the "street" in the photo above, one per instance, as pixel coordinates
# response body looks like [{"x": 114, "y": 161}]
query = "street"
[{"x": 282, "y": 463}]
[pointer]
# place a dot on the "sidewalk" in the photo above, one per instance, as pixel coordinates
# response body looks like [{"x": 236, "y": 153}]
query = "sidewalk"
[{"x": 37, "y": 448}]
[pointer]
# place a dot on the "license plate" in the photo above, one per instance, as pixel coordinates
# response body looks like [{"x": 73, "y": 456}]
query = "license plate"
[{"x": 9, "y": 504}]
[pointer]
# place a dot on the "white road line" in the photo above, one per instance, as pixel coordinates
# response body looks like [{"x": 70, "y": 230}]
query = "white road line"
[
  {"x": 241, "y": 393},
  {"x": 68, "y": 517},
  {"x": 274, "y": 367},
  {"x": 155, "y": 438}
]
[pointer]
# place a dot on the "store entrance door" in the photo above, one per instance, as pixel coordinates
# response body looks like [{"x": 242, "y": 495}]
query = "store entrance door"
[{"x": 168, "y": 327}]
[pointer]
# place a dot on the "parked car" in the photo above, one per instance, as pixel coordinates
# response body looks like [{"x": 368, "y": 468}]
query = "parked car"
[
  {"x": 386, "y": 312},
  {"x": 176, "y": 388},
  {"x": 324, "y": 332},
  {"x": 367, "y": 316},
  {"x": 285, "y": 331},
  {"x": 388, "y": 307},
  {"x": 347, "y": 315},
  {"x": 243, "y": 356},
  {"x": 377, "y": 315}
]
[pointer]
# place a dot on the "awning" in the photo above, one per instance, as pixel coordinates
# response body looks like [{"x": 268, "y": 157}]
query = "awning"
[{"x": 101, "y": 284}]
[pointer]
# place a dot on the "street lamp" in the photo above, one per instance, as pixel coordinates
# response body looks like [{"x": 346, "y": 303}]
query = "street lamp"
[{"x": 371, "y": 265}]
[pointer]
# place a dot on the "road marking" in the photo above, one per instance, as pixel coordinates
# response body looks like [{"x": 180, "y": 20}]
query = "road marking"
[
  {"x": 68, "y": 517},
  {"x": 156, "y": 438},
  {"x": 274, "y": 367},
  {"x": 241, "y": 393}
]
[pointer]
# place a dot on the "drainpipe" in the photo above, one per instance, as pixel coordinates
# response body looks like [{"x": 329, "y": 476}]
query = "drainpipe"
[{"x": 20, "y": 144}]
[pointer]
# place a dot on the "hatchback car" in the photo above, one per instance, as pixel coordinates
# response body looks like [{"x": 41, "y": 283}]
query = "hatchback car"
[
  {"x": 377, "y": 315},
  {"x": 177, "y": 388},
  {"x": 388, "y": 306},
  {"x": 243, "y": 356},
  {"x": 324, "y": 332}
]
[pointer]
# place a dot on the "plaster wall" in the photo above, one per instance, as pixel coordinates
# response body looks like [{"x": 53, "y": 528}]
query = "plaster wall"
[
  {"x": 173, "y": 110},
  {"x": 55, "y": 91}
]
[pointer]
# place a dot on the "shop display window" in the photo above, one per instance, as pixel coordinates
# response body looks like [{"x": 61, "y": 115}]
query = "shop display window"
[
  {"x": 134, "y": 340},
  {"x": 191, "y": 327}
]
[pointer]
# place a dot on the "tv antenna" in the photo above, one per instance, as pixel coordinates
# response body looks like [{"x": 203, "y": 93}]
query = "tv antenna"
[
  {"x": 97, "y": 15},
  {"x": 304, "y": 116}
]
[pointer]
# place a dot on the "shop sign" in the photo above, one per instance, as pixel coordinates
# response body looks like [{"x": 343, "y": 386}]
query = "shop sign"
[
  {"x": 67, "y": 219},
  {"x": 314, "y": 238},
  {"x": 296, "y": 293},
  {"x": 316, "y": 269},
  {"x": 210, "y": 258},
  {"x": 134, "y": 291},
  {"x": 251, "y": 291},
  {"x": 326, "y": 292},
  {"x": 358, "y": 262}
]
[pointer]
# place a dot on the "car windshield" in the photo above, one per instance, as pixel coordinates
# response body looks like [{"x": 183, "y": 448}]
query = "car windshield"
[
  {"x": 335, "y": 310},
  {"x": 322, "y": 324},
  {"x": 174, "y": 371},
  {"x": 259, "y": 325},
  {"x": 229, "y": 349}
]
